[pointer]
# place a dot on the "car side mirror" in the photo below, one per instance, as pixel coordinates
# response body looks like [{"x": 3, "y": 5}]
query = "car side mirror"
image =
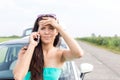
[{"x": 85, "y": 68}]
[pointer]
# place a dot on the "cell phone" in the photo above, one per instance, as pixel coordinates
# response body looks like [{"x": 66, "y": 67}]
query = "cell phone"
[{"x": 37, "y": 39}]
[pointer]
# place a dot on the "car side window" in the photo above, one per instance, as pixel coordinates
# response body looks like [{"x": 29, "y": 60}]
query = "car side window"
[
  {"x": 3, "y": 52},
  {"x": 27, "y": 32}
]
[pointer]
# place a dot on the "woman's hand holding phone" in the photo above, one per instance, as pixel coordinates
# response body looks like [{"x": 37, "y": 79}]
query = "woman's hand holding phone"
[{"x": 34, "y": 38}]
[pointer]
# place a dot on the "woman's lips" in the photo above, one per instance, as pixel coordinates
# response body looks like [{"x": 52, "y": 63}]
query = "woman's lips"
[{"x": 46, "y": 37}]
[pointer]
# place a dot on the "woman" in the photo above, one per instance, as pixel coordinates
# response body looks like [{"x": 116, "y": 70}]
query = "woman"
[{"x": 42, "y": 60}]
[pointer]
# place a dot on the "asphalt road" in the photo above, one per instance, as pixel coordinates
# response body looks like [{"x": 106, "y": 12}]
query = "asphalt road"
[{"x": 106, "y": 64}]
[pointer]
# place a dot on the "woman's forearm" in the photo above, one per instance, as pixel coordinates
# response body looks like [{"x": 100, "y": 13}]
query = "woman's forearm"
[
  {"x": 23, "y": 63},
  {"x": 72, "y": 44}
]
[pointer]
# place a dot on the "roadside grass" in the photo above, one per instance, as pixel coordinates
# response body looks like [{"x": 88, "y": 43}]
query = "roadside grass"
[
  {"x": 2, "y": 39},
  {"x": 114, "y": 50}
]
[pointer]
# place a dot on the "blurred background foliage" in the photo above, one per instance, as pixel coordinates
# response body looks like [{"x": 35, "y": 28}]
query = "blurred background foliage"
[{"x": 111, "y": 43}]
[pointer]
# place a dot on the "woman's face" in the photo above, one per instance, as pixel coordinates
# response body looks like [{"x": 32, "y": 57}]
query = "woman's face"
[{"x": 47, "y": 33}]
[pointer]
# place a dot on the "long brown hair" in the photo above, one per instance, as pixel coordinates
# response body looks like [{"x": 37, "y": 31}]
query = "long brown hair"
[{"x": 37, "y": 62}]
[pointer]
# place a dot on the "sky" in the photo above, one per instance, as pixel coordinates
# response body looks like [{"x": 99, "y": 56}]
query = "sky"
[{"x": 80, "y": 18}]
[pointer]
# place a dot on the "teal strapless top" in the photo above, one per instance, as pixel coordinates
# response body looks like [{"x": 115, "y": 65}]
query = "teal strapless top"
[{"x": 48, "y": 74}]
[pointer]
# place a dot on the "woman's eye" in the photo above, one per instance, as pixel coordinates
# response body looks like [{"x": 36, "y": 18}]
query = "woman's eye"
[
  {"x": 51, "y": 28},
  {"x": 42, "y": 28}
]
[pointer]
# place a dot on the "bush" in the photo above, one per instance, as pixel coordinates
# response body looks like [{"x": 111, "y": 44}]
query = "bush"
[{"x": 108, "y": 42}]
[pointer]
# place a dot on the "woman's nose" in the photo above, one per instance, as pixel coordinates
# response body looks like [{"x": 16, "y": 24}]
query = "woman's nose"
[{"x": 46, "y": 31}]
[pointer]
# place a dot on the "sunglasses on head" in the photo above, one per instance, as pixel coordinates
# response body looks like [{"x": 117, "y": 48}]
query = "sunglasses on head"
[{"x": 47, "y": 15}]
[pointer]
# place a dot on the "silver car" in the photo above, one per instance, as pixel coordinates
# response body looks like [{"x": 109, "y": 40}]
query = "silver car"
[{"x": 9, "y": 53}]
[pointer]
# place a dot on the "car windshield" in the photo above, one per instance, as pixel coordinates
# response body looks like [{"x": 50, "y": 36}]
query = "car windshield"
[
  {"x": 6, "y": 49},
  {"x": 3, "y": 51}
]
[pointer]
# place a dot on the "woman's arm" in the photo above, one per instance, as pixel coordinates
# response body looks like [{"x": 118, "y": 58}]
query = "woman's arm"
[
  {"x": 75, "y": 50},
  {"x": 23, "y": 62},
  {"x": 24, "y": 59}
]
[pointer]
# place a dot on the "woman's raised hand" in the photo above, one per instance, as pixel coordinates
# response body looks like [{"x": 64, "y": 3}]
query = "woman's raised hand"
[{"x": 50, "y": 21}]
